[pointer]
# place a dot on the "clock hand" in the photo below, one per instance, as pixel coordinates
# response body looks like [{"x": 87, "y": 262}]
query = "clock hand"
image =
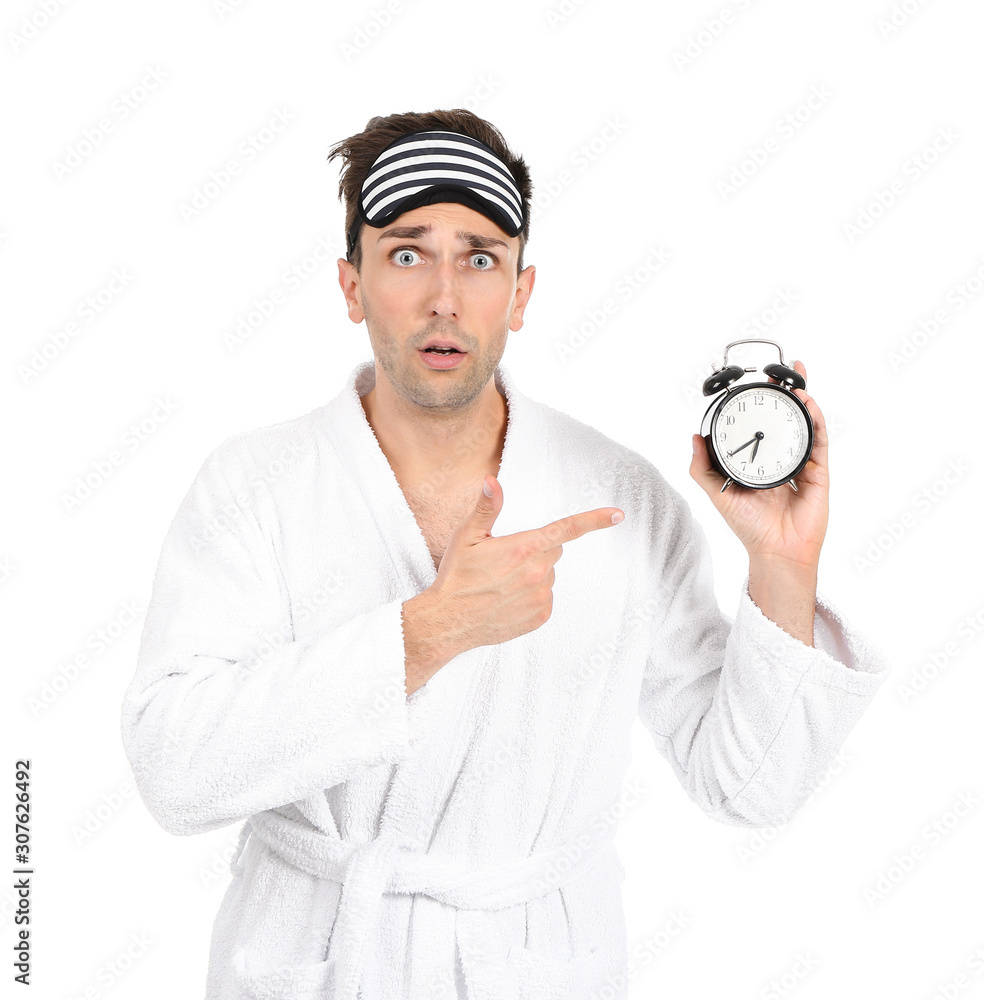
[
  {"x": 758, "y": 437},
  {"x": 740, "y": 447}
]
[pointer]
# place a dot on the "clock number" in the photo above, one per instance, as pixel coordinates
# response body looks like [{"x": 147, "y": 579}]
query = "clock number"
[
  {"x": 775, "y": 403},
  {"x": 761, "y": 470},
  {"x": 741, "y": 405},
  {"x": 789, "y": 414},
  {"x": 722, "y": 436},
  {"x": 759, "y": 399},
  {"x": 743, "y": 464},
  {"x": 730, "y": 418}
]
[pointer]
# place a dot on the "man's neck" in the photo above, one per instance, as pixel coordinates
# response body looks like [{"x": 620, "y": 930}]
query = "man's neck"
[{"x": 441, "y": 450}]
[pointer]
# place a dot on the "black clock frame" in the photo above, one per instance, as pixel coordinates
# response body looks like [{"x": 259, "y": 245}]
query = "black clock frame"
[{"x": 716, "y": 406}]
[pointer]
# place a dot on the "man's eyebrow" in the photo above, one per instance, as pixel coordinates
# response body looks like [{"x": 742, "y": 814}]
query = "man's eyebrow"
[
  {"x": 475, "y": 240},
  {"x": 404, "y": 233}
]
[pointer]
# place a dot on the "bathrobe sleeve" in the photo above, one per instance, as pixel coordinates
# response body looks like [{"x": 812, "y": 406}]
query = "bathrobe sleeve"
[
  {"x": 749, "y": 717},
  {"x": 228, "y": 715}
]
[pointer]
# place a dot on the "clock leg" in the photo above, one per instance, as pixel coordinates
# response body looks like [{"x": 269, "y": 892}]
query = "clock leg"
[
  {"x": 727, "y": 483},
  {"x": 792, "y": 482}
]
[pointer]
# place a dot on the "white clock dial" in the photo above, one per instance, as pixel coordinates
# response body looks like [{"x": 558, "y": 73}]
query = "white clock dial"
[{"x": 760, "y": 435}]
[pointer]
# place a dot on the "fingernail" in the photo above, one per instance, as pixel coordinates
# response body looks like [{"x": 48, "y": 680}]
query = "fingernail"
[
  {"x": 617, "y": 516},
  {"x": 486, "y": 489},
  {"x": 693, "y": 442}
]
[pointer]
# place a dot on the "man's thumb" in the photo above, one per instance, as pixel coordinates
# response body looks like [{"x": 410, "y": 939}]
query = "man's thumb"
[{"x": 489, "y": 504}]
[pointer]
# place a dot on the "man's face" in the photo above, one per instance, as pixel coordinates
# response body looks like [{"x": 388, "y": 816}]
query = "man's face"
[{"x": 439, "y": 272}]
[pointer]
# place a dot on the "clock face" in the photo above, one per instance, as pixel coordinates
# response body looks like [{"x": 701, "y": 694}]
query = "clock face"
[{"x": 761, "y": 435}]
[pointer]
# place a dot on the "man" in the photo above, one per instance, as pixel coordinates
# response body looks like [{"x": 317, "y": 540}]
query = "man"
[{"x": 362, "y": 642}]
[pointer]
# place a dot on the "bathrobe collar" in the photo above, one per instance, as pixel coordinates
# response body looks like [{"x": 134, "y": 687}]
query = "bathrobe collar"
[{"x": 355, "y": 441}]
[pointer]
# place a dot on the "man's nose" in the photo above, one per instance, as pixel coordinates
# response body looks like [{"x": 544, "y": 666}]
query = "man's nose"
[{"x": 444, "y": 293}]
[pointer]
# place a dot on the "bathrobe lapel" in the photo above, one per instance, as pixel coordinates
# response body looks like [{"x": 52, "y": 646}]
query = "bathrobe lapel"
[
  {"x": 414, "y": 798},
  {"x": 354, "y": 439}
]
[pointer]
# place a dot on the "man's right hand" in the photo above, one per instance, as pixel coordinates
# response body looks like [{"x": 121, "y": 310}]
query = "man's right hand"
[{"x": 492, "y": 589}]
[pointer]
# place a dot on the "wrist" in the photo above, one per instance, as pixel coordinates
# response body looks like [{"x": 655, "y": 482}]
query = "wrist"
[
  {"x": 426, "y": 642},
  {"x": 771, "y": 564},
  {"x": 785, "y": 592},
  {"x": 780, "y": 576}
]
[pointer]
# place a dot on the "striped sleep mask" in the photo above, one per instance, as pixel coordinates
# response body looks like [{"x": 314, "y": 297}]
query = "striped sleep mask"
[{"x": 433, "y": 166}]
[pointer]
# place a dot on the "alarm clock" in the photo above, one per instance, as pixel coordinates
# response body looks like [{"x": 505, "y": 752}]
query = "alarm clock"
[{"x": 759, "y": 434}]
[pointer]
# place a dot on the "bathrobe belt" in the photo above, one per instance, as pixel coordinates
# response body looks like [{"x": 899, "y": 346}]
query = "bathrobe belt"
[{"x": 388, "y": 864}]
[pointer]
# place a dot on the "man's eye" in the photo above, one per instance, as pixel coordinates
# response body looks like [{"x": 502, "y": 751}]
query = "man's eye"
[{"x": 404, "y": 257}]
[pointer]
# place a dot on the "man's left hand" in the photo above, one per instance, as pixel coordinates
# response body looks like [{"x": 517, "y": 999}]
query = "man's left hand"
[{"x": 778, "y": 523}]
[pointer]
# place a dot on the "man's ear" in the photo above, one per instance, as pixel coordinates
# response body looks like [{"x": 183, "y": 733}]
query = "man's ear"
[
  {"x": 348, "y": 279},
  {"x": 524, "y": 289}
]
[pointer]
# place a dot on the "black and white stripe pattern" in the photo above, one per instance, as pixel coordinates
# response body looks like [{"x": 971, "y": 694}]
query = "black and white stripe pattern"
[{"x": 419, "y": 162}]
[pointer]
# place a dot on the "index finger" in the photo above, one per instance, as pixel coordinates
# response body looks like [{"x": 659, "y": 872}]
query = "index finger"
[{"x": 566, "y": 529}]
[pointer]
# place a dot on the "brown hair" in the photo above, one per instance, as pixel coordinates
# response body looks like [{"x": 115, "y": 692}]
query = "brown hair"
[{"x": 358, "y": 153}]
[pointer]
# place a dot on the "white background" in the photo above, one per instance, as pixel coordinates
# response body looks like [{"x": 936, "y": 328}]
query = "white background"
[{"x": 628, "y": 138}]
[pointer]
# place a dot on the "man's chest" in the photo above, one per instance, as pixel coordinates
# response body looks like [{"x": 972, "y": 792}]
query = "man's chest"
[{"x": 438, "y": 514}]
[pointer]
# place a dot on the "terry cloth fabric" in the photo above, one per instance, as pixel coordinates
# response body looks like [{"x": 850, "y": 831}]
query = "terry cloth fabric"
[{"x": 456, "y": 843}]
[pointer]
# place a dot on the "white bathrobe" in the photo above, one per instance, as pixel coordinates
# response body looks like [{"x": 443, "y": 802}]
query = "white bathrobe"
[{"x": 457, "y": 842}]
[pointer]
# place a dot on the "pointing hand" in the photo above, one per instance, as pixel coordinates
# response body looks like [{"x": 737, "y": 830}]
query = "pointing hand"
[{"x": 492, "y": 589}]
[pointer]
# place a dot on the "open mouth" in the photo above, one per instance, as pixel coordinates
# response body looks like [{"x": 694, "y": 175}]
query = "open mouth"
[{"x": 442, "y": 350}]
